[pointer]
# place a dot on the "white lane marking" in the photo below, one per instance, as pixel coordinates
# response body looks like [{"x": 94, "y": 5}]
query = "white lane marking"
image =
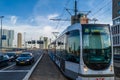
[
  {"x": 14, "y": 70},
  {"x": 8, "y": 67},
  {"x": 31, "y": 70}
]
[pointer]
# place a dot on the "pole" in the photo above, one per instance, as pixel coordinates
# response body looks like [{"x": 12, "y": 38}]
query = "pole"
[
  {"x": 25, "y": 39},
  {"x": 1, "y": 34},
  {"x": 1, "y": 31},
  {"x": 75, "y": 8}
]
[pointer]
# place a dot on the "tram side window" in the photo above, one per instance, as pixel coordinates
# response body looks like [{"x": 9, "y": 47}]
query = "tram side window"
[
  {"x": 73, "y": 46},
  {"x": 60, "y": 47}
]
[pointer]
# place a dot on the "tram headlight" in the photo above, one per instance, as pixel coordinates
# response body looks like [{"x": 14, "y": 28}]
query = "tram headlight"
[
  {"x": 85, "y": 69},
  {"x": 111, "y": 68}
]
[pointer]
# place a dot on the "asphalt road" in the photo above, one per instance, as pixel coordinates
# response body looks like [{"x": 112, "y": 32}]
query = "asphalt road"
[{"x": 13, "y": 72}]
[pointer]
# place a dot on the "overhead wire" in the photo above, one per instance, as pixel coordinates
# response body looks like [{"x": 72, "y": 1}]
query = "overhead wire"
[
  {"x": 108, "y": 8},
  {"x": 100, "y": 9},
  {"x": 58, "y": 22},
  {"x": 106, "y": 3},
  {"x": 62, "y": 15},
  {"x": 66, "y": 23},
  {"x": 96, "y": 6}
]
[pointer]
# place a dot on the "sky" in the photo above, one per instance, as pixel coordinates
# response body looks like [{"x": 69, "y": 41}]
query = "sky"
[{"x": 32, "y": 17}]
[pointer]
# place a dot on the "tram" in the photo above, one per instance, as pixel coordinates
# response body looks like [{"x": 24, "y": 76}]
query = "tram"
[{"x": 84, "y": 52}]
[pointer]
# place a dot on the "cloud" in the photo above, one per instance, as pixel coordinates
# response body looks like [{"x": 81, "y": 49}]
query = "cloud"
[
  {"x": 51, "y": 16},
  {"x": 13, "y": 19},
  {"x": 32, "y": 32},
  {"x": 43, "y": 24},
  {"x": 39, "y": 23}
]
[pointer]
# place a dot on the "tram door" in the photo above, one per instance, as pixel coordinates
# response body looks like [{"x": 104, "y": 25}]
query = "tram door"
[{"x": 62, "y": 64}]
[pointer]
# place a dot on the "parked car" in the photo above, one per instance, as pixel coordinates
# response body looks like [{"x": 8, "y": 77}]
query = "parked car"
[
  {"x": 12, "y": 55},
  {"x": 3, "y": 60},
  {"x": 25, "y": 58},
  {"x": 6, "y": 57}
]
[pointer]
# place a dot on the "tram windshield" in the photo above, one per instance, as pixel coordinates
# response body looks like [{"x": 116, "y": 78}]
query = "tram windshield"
[{"x": 96, "y": 47}]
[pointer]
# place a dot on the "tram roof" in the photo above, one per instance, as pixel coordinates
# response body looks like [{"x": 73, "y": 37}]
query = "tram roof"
[
  {"x": 77, "y": 26},
  {"x": 72, "y": 27}
]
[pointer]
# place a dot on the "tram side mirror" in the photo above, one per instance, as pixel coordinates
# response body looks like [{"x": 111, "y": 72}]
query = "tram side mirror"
[
  {"x": 67, "y": 33},
  {"x": 60, "y": 43}
]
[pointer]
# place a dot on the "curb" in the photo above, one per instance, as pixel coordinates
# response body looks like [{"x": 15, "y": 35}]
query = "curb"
[{"x": 31, "y": 70}]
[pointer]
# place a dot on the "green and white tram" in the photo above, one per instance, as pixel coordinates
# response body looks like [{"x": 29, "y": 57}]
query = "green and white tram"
[{"x": 84, "y": 52}]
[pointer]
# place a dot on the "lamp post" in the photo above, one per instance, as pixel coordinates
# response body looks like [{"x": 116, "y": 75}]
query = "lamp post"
[
  {"x": 1, "y": 31},
  {"x": 24, "y": 39}
]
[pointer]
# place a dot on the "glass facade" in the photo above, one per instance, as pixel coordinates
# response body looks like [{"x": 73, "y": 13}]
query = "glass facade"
[
  {"x": 116, "y": 21},
  {"x": 116, "y": 26},
  {"x": 116, "y": 36},
  {"x": 118, "y": 3},
  {"x": 8, "y": 41}
]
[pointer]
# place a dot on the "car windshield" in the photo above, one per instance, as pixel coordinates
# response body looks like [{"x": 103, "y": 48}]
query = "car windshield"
[
  {"x": 1, "y": 57},
  {"x": 10, "y": 54},
  {"x": 25, "y": 55}
]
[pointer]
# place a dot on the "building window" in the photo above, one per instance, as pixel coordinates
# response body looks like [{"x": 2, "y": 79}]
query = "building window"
[
  {"x": 112, "y": 29},
  {"x": 113, "y": 40},
  {"x": 115, "y": 30},
  {"x": 118, "y": 11},
  {"x": 119, "y": 3},
  {"x": 117, "y": 40},
  {"x": 118, "y": 29}
]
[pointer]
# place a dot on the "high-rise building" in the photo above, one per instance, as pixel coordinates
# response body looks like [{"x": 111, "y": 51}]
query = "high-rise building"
[
  {"x": 116, "y": 25},
  {"x": 116, "y": 11},
  {"x": 41, "y": 43},
  {"x": 19, "y": 40},
  {"x": 7, "y": 38},
  {"x": 45, "y": 42}
]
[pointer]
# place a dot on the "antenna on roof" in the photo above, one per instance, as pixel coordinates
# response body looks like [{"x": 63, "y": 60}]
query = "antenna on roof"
[{"x": 75, "y": 10}]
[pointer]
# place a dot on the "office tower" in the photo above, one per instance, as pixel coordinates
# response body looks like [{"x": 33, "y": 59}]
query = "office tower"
[
  {"x": 19, "y": 40},
  {"x": 116, "y": 25}
]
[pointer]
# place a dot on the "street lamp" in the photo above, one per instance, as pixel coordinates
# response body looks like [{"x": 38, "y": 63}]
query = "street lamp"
[
  {"x": 24, "y": 39},
  {"x": 1, "y": 31}
]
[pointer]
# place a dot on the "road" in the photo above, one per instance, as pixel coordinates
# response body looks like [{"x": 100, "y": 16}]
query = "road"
[{"x": 14, "y": 72}]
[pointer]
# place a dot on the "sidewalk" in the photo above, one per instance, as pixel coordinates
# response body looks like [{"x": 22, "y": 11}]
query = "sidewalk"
[{"x": 47, "y": 70}]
